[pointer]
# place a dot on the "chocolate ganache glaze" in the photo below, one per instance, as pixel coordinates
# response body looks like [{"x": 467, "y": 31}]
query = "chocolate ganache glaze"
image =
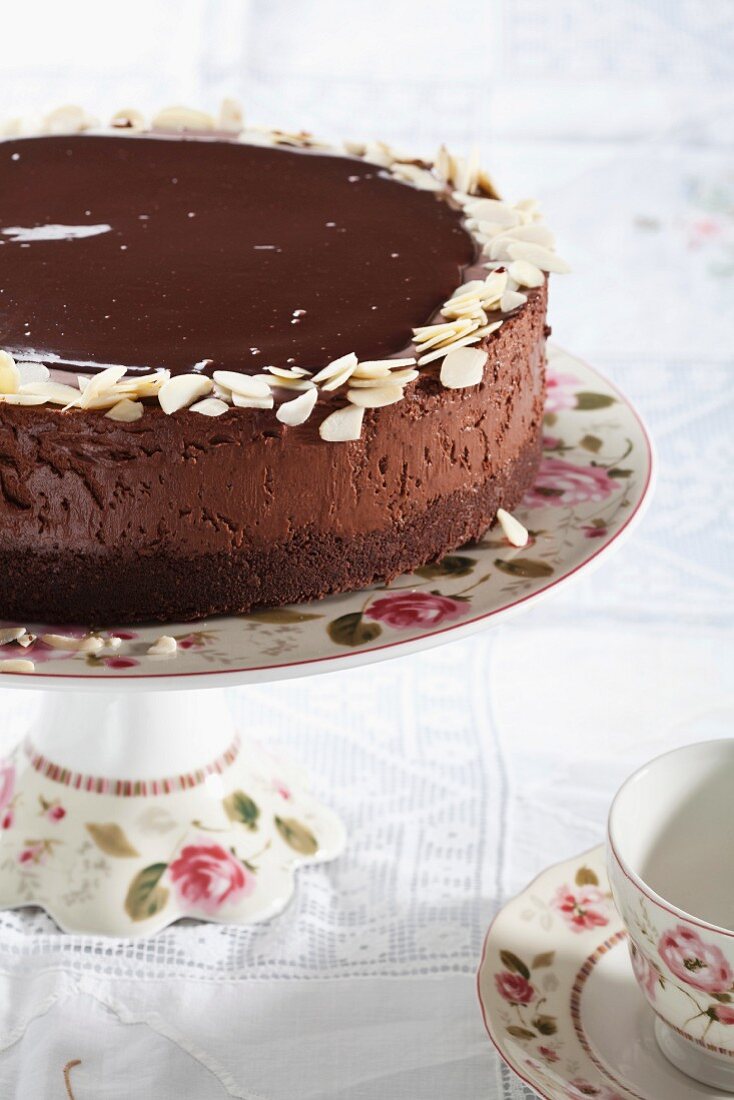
[
  {"x": 214, "y": 250},
  {"x": 165, "y": 252}
]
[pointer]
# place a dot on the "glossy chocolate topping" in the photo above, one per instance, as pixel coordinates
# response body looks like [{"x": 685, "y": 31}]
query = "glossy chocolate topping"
[{"x": 160, "y": 252}]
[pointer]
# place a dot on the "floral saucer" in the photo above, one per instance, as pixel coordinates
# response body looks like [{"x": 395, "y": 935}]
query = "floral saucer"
[{"x": 559, "y": 997}]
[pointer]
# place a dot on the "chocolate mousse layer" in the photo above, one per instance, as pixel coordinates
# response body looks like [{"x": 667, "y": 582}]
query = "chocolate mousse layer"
[{"x": 183, "y": 516}]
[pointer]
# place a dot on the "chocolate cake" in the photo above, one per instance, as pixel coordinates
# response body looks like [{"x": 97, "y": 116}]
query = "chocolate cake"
[{"x": 244, "y": 370}]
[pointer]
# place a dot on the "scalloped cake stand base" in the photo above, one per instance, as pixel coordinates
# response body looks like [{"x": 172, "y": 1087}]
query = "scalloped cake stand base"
[{"x": 120, "y": 817}]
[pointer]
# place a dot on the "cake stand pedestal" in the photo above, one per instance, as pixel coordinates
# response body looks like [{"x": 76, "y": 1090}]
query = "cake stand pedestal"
[
  {"x": 130, "y": 805},
  {"x": 127, "y": 810}
]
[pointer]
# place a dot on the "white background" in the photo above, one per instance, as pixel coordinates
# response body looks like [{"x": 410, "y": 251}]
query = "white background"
[{"x": 462, "y": 773}]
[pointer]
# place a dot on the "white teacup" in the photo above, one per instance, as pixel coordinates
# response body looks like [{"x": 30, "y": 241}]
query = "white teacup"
[{"x": 671, "y": 869}]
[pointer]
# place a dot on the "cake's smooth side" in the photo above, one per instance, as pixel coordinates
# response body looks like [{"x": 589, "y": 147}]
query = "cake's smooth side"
[{"x": 180, "y": 517}]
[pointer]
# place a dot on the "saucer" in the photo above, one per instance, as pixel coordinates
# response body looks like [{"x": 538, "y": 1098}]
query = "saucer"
[{"x": 559, "y": 998}]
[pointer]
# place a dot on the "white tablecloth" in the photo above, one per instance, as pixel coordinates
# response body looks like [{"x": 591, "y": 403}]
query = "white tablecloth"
[{"x": 462, "y": 772}]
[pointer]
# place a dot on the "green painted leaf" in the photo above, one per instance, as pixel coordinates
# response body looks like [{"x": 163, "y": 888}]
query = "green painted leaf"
[
  {"x": 616, "y": 472},
  {"x": 112, "y": 840},
  {"x": 238, "y": 806},
  {"x": 282, "y": 615},
  {"x": 546, "y": 959},
  {"x": 550, "y": 419},
  {"x": 513, "y": 963},
  {"x": 352, "y": 630},
  {"x": 520, "y": 1032},
  {"x": 453, "y": 566},
  {"x": 297, "y": 836},
  {"x": 591, "y": 443},
  {"x": 145, "y": 897},
  {"x": 589, "y": 401},
  {"x": 586, "y": 877},
  {"x": 524, "y": 567},
  {"x": 723, "y": 998},
  {"x": 546, "y": 1025}
]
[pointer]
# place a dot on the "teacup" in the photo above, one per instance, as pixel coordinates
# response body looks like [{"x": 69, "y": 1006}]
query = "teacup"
[{"x": 671, "y": 869}]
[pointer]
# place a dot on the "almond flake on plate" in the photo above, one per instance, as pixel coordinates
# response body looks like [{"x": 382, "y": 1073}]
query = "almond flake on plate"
[
  {"x": 128, "y": 118},
  {"x": 463, "y": 367},
  {"x": 11, "y": 634},
  {"x": 526, "y": 274},
  {"x": 166, "y": 645},
  {"x": 513, "y": 530},
  {"x": 182, "y": 390},
  {"x": 17, "y": 664},
  {"x": 125, "y": 411},
  {"x": 297, "y": 411},
  {"x": 342, "y": 425},
  {"x": 231, "y": 116},
  {"x": 210, "y": 406}
]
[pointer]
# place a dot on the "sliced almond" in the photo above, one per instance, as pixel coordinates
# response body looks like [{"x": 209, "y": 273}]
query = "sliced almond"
[
  {"x": 182, "y": 118},
  {"x": 182, "y": 390},
  {"x": 512, "y": 299},
  {"x": 376, "y": 398},
  {"x": 297, "y": 411},
  {"x": 342, "y": 425},
  {"x": 492, "y": 210},
  {"x": 463, "y": 367},
  {"x": 210, "y": 406},
  {"x": 56, "y": 392},
  {"x": 22, "y": 399},
  {"x": 526, "y": 274},
  {"x": 417, "y": 177},
  {"x": 125, "y": 411},
  {"x": 336, "y": 366},
  {"x": 32, "y": 372},
  {"x": 9, "y": 374},
  {"x": 539, "y": 256},
  {"x": 11, "y": 634},
  {"x": 242, "y": 402},
  {"x": 67, "y": 120},
  {"x": 127, "y": 119},
  {"x": 99, "y": 383},
  {"x": 513, "y": 530},
  {"x": 17, "y": 664},
  {"x": 247, "y": 385},
  {"x": 231, "y": 117}
]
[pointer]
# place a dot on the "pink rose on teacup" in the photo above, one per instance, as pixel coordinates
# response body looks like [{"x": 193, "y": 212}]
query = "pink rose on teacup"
[
  {"x": 415, "y": 609},
  {"x": 723, "y": 1014},
  {"x": 696, "y": 963},
  {"x": 562, "y": 483},
  {"x": 514, "y": 988},
  {"x": 581, "y": 909},
  {"x": 7, "y": 785},
  {"x": 206, "y": 876}
]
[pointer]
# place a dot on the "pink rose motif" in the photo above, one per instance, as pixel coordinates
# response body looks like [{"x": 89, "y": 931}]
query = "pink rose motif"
[
  {"x": 561, "y": 483},
  {"x": 579, "y": 1088},
  {"x": 124, "y": 635},
  {"x": 415, "y": 609},
  {"x": 560, "y": 392},
  {"x": 581, "y": 909},
  {"x": 119, "y": 662},
  {"x": 56, "y": 813},
  {"x": 514, "y": 988},
  {"x": 696, "y": 963},
  {"x": 7, "y": 785},
  {"x": 6, "y": 821},
  {"x": 547, "y": 1054},
  {"x": 592, "y": 532},
  {"x": 646, "y": 974},
  {"x": 723, "y": 1014},
  {"x": 280, "y": 788},
  {"x": 191, "y": 641},
  {"x": 35, "y": 853},
  {"x": 206, "y": 877}
]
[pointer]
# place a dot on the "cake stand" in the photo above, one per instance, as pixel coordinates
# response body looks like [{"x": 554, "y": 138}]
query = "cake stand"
[{"x": 132, "y": 801}]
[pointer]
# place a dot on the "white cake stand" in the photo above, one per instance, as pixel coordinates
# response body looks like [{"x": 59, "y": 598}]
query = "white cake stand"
[{"x": 127, "y": 805}]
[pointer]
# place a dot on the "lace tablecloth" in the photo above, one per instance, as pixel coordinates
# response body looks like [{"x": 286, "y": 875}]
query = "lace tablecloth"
[{"x": 462, "y": 772}]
